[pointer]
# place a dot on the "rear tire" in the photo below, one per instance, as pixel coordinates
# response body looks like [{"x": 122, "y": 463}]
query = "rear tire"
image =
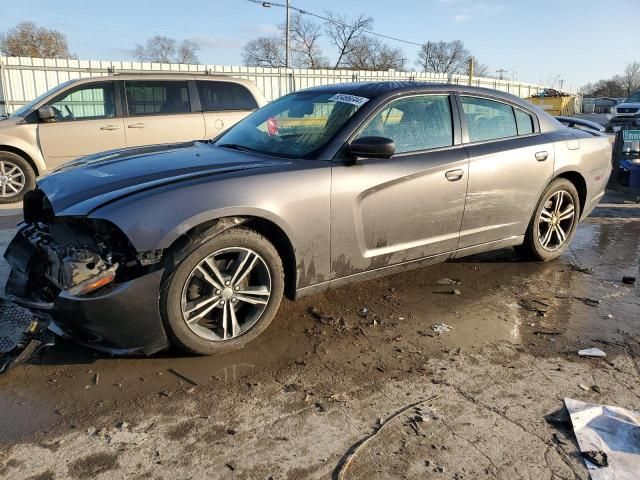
[
  {"x": 16, "y": 177},
  {"x": 210, "y": 305},
  {"x": 554, "y": 221}
]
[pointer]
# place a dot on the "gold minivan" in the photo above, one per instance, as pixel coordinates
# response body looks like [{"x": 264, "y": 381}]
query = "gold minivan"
[{"x": 90, "y": 115}]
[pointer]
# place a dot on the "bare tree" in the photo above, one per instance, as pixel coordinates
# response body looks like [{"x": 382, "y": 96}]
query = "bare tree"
[
  {"x": 264, "y": 52},
  {"x": 443, "y": 57},
  {"x": 343, "y": 32},
  {"x": 630, "y": 78},
  {"x": 186, "y": 52},
  {"x": 481, "y": 70},
  {"x": 368, "y": 53},
  {"x": 163, "y": 49},
  {"x": 305, "y": 45},
  {"x": 28, "y": 40},
  {"x": 611, "y": 87}
]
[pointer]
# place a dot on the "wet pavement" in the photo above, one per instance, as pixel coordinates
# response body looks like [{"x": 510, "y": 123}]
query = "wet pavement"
[{"x": 292, "y": 403}]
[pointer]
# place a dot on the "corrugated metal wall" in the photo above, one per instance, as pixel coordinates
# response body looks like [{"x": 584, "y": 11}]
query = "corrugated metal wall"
[{"x": 23, "y": 79}]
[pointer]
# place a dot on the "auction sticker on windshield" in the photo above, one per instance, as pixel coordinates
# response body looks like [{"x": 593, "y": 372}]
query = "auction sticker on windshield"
[
  {"x": 346, "y": 98},
  {"x": 631, "y": 135}
]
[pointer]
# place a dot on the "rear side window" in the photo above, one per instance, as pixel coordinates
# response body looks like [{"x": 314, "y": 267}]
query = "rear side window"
[
  {"x": 524, "y": 122},
  {"x": 220, "y": 96},
  {"x": 157, "y": 97},
  {"x": 488, "y": 119},
  {"x": 414, "y": 123}
]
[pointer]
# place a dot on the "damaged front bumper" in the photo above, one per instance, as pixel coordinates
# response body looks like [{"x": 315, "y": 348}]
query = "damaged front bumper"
[
  {"x": 121, "y": 318},
  {"x": 22, "y": 335}
]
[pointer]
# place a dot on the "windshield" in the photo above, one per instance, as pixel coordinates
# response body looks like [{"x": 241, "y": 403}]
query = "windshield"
[
  {"x": 294, "y": 126},
  {"x": 635, "y": 98},
  {"x": 25, "y": 108}
]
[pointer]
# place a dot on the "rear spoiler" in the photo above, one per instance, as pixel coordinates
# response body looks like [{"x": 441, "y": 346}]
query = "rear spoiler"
[{"x": 581, "y": 124}]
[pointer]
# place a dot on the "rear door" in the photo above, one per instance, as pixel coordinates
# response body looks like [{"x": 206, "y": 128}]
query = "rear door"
[
  {"x": 390, "y": 211},
  {"x": 224, "y": 104},
  {"x": 160, "y": 111},
  {"x": 88, "y": 120},
  {"x": 510, "y": 165}
]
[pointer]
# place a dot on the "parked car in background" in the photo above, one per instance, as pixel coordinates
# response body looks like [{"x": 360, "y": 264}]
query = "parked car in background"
[
  {"x": 196, "y": 243},
  {"x": 626, "y": 114},
  {"x": 90, "y": 115}
]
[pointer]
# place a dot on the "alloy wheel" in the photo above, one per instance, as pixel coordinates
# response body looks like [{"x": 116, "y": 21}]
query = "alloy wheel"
[
  {"x": 226, "y": 294},
  {"x": 556, "y": 220},
  {"x": 12, "y": 179}
]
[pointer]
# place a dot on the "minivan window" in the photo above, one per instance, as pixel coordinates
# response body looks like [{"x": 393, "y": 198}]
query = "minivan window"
[
  {"x": 85, "y": 103},
  {"x": 414, "y": 123},
  {"x": 28, "y": 106},
  {"x": 157, "y": 97},
  {"x": 488, "y": 119},
  {"x": 220, "y": 96}
]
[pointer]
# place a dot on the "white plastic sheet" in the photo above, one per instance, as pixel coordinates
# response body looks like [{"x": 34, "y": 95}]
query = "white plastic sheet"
[{"x": 613, "y": 430}]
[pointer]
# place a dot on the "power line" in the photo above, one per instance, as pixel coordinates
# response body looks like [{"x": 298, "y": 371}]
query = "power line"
[{"x": 331, "y": 20}]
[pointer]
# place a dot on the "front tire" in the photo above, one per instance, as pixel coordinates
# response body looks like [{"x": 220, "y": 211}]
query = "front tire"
[
  {"x": 16, "y": 177},
  {"x": 554, "y": 221},
  {"x": 224, "y": 294}
]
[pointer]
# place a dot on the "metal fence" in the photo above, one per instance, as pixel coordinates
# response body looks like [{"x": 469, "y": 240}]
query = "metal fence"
[{"x": 22, "y": 79}]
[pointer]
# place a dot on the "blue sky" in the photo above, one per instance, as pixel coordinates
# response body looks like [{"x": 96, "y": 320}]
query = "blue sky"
[{"x": 541, "y": 41}]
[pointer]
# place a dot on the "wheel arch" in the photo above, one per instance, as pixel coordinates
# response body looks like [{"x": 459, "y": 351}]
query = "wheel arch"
[
  {"x": 579, "y": 182},
  {"x": 182, "y": 246},
  {"x": 21, "y": 153}
]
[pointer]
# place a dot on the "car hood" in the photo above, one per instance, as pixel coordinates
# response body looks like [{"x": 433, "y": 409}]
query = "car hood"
[
  {"x": 80, "y": 186},
  {"x": 628, "y": 105}
]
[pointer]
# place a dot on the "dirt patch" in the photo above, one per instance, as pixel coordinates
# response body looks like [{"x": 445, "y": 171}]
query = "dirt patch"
[
  {"x": 181, "y": 430},
  {"x": 46, "y": 475},
  {"x": 93, "y": 465}
]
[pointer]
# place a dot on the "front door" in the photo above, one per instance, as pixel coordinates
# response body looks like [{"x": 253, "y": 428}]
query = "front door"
[
  {"x": 510, "y": 165},
  {"x": 159, "y": 111},
  {"x": 86, "y": 122},
  {"x": 408, "y": 207}
]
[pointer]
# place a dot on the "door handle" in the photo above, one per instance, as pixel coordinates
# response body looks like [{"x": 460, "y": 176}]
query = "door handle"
[
  {"x": 454, "y": 175},
  {"x": 137, "y": 125},
  {"x": 110, "y": 127},
  {"x": 542, "y": 156}
]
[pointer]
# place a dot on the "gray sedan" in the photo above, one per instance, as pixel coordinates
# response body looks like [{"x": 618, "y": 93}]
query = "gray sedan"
[{"x": 196, "y": 243}]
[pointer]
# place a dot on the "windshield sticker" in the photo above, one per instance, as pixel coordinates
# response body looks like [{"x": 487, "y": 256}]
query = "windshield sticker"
[{"x": 352, "y": 99}]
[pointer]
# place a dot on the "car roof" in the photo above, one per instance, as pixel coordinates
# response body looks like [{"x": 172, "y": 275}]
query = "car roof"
[
  {"x": 165, "y": 76},
  {"x": 391, "y": 88}
]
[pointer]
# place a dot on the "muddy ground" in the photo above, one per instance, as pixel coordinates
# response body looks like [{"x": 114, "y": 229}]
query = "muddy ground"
[{"x": 295, "y": 404}]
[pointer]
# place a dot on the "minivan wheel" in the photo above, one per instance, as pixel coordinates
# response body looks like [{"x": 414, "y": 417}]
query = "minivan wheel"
[
  {"x": 16, "y": 177},
  {"x": 223, "y": 294},
  {"x": 554, "y": 222}
]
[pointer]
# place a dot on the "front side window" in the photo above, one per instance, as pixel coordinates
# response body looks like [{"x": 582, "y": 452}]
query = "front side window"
[
  {"x": 294, "y": 126},
  {"x": 86, "y": 103},
  {"x": 488, "y": 119},
  {"x": 220, "y": 96},
  {"x": 157, "y": 97},
  {"x": 414, "y": 123}
]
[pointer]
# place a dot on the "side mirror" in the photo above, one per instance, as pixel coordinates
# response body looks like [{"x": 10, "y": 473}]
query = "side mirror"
[
  {"x": 46, "y": 114},
  {"x": 372, "y": 147}
]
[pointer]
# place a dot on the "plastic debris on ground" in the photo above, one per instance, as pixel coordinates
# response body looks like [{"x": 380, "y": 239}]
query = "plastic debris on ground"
[
  {"x": 441, "y": 328},
  {"x": 592, "y": 352},
  {"x": 609, "y": 439}
]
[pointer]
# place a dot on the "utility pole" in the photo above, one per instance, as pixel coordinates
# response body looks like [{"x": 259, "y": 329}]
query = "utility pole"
[
  {"x": 501, "y": 73},
  {"x": 288, "y": 36},
  {"x": 471, "y": 69}
]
